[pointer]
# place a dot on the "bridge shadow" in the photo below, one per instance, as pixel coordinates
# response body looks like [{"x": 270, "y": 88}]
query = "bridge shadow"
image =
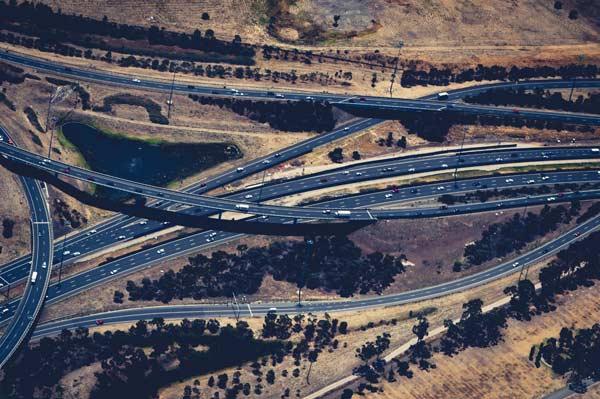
[{"x": 137, "y": 207}]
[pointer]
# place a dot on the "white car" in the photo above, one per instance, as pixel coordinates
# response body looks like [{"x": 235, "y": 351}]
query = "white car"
[
  {"x": 550, "y": 199},
  {"x": 66, "y": 253},
  {"x": 121, "y": 237},
  {"x": 5, "y": 310},
  {"x": 530, "y": 181},
  {"x": 213, "y": 234},
  {"x": 160, "y": 251},
  {"x": 240, "y": 170},
  {"x": 93, "y": 231},
  {"x": 136, "y": 80},
  {"x": 248, "y": 196},
  {"x": 444, "y": 165},
  {"x": 509, "y": 180},
  {"x": 346, "y": 129},
  {"x": 441, "y": 188},
  {"x": 143, "y": 222},
  {"x": 595, "y": 149},
  {"x": 266, "y": 162},
  {"x": 44, "y": 265},
  {"x": 411, "y": 169},
  {"x": 279, "y": 95},
  {"x": 346, "y": 172},
  {"x": 498, "y": 159},
  {"x": 76, "y": 253},
  {"x": 515, "y": 264},
  {"x": 389, "y": 195},
  {"x": 545, "y": 177},
  {"x": 114, "y": 271},
  {"x": 358, "y": 173}
]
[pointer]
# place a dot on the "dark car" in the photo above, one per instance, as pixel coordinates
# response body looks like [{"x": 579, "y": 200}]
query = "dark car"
[{"x": 99, "y": 322}]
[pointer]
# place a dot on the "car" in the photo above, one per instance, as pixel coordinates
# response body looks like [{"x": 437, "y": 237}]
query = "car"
[
  {"x": 550, "y": 199},
  {"x": 160, "y": 251},
  {"x": 351, "y": 100},
  {"x": 395, "y": 190},
  {"x": 248, "y": 196},
  {"x": 498, "y": 159},
  {"x": 272, "y": 309},
  {"x": 595, "y": 150},
  {"x": 67, "y": 252},
  {"x": 310, "y": 98},
  {"x": 136, "y": 80},
  {"x": 389, "y": 195},
  {"x": 476, "y": 184},
  {"x": 530, "y": 181},
  {"x": 441, "y": 188},
  {"x": 278, "y": 95},
  {"x": 326, "y": 211},
  {"x": 577, "y": 234},
  {"x": 239, "y": 170},
  {"x": 93, "y": 231},
  {"x": 346, "y": 172},
  {"x": 362, "y": 99},
  {"x": 209, "y": 239},
  {"x": 515, "y": 264},
  {"x": 114, "y": 271},
  {"x": 142, "y": 222},
  {"x": 44, "y": 265},
  {"x": 346, "y": 129},
  {"x": 99, "y": 322},
  {"x": 323, "y": 180},
  {"x": 414, "y": 190},
  {"x": 277, "y": 155},
  {"x": 266, "y": 162},
  {"x": 358, "y": 173},
  {"x": 264, "y": 217},
  {"x": 411, "y": 169},
  {"x": 121, "y": 237},
  {"x": 545, "y": 177},
  {"x": 514, "y": 110},
  {"x": 5, "y": 310},
  {"x": 213, "y": 234},
  {"x": 444, "y": 165},
  {"x": 76, "y": 253},
  {"x": 509, "y": 180}
]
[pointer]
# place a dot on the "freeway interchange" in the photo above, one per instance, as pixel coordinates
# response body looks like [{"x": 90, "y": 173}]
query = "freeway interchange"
[{"x": 382, "y": 204}]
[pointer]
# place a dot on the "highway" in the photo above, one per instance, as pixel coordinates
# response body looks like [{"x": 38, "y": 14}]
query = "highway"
[
  {"x": 369, "y": 302},
  {"x": 206, "y": 239},
  {"x": 363, "y": 102},
  {"x": 214, "y": 204},
  {"x": 42, "y": 250},
  {"x": 108, "y": 234}
]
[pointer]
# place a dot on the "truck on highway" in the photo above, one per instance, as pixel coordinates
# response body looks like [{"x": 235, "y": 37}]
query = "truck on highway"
[
  {"x": 242, "y": 207},
  {"x": 343, "y": 214},
  {"x": 442, "y": 96},
  {"x": 33, "y": 277}
]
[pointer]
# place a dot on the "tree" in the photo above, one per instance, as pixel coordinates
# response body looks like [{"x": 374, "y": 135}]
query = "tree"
[
  {"x": 336, "y": 155},
  {"x": 573, "y": 14},
  {"x": 312, "y": 358},
  {"x": 118, "y": 297},
  {"x": 420, "y": 329},
  {"x": 347, "y": 393},
  {"x": 558, "y": 5},
  {"x": 205, "y": 16},
  {"x": 356, "y": 155},
  {"x": 402, "y": 142}
]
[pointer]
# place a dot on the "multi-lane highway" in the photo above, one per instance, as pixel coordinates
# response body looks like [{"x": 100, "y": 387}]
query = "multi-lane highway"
[
  {"x": 362, "y": 103},
  {"x": 206, "y": 239},
  {"x": 212, "y": 204},
  {"x": 38, "y": 270},
  {"x": 249, "y": 309}
]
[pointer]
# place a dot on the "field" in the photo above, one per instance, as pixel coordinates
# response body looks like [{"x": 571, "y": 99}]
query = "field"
[{"x": 503, "y": 371}]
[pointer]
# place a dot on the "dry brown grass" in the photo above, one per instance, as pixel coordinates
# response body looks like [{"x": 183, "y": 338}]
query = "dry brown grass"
[{"x": 502, "y": 371}]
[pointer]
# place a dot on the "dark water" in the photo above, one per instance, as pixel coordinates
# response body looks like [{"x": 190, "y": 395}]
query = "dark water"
[{"x": 152, "y": 163}]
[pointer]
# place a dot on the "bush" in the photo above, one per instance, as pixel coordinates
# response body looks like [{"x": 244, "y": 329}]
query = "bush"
[{"x": 7, "y": 227}]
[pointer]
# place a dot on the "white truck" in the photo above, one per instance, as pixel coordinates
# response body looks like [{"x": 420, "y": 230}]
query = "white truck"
[
  {"x": 343, "y": 214},
  {"x": 33, "y": 277},
  {"x": 242, "y": 207},
  {"x": 442, "y": 96}
]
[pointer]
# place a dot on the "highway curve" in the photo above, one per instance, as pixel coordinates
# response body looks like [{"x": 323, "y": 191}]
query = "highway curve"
[{"x": 42, "y": 252}]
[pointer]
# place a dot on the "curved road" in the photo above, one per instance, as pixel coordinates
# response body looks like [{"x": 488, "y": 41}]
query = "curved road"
[{"x": 42, "y": 250}]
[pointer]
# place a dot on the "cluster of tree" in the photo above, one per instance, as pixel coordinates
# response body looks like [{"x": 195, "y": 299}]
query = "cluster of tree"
[
  {"x": 11, "y": 74},
  {"x": 434, "y": 126},
  {"x": 33, "y": 119},
  {"x": 336, "y": 155},
  {"x": 538, "y": 98},
  {"x": 5, "y": 100},
  {"x": 294, "y": 116},
  {"x": 126, "y": 370},
  {"x": 443, "y": 77},
  {"x": 7, "y": 227},
  {"x": 578, "y": 265},
  {"x": 589, "y": 213},
  {"x": 575, "y": 353},
  {"x": 501, "y": 239},
  {"x": 389, "y": 141},
  {"x": 69, "y": 216},
  {"x": 332, "y": 263},
  {"x": 485, "y": 195},
  {"x": 475, "y": 328},
  {"x": 84, "y": 95},
  {"x": 154, "y": 109},
  {"x": 39, "y": 20}
]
